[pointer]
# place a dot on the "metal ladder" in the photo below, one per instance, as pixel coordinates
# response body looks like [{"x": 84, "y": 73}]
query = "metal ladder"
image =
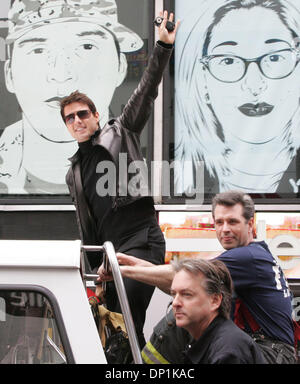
[{"x": 110, "y": 259}]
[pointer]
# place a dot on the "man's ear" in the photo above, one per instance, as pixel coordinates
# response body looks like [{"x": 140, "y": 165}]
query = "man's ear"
[
  {"x": 122, "y": 69},
  {"x": 251, "y": 224},
  {"x": 216, "y": 301},
  {"x": 8, "y": 77}
]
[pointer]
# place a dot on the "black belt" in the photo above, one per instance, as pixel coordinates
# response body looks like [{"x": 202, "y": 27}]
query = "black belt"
[{"x": 261, "y": 337}]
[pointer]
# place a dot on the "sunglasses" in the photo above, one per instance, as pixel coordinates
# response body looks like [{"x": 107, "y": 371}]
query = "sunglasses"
[{"x": 83, "y": 114}]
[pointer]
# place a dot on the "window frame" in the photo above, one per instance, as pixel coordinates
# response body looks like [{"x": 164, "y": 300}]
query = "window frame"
[{"x": 56, "y": 310}]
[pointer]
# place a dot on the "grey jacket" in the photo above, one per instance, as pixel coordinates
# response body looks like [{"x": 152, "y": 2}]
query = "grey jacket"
[{"x": 120, "y": 135}]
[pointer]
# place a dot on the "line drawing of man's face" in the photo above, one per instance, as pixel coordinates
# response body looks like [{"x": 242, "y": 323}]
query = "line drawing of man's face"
[
  {"x": 45, "y": 67},
  {"x": 54, "y": 48},
  {"x": 238, "y": 33}
]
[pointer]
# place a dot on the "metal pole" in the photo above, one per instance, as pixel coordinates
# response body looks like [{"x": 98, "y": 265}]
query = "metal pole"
[{"x": 110, "y": 258}]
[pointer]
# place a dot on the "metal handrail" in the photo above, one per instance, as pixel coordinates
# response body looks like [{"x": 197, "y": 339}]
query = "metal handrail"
[{"x": 110, "y": 259}]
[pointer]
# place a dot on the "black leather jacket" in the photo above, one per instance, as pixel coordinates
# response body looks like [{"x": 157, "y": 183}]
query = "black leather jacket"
[{"x": 120, "y": 136}]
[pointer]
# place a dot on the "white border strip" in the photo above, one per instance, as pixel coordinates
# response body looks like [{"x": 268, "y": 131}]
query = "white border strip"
[{"x": 159, "y": 208}]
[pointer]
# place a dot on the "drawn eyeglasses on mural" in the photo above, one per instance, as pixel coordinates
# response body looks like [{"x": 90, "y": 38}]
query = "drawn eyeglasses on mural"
[{"x": 231, "y": 69}]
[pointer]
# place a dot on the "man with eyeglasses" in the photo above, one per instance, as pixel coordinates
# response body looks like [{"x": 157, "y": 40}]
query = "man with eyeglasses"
[{"x": 111, "y": 203}]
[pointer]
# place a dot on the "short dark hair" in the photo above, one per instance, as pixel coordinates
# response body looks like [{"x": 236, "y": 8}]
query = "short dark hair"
[
  {"x": 76, "y": 97},
  {"x": 231, "y": 198},
  {"x": 217, "y": 279}
]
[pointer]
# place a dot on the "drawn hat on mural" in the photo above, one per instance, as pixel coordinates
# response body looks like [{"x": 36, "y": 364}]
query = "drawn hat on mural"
[{"x": 26, "y": 15}]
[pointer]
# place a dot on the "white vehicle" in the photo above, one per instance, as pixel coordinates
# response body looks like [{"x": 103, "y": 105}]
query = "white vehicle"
[{"x": 45, "y": 316}]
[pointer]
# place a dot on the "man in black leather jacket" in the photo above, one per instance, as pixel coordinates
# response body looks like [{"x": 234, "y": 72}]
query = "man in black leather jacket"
[{"x": 113, "y": 206}]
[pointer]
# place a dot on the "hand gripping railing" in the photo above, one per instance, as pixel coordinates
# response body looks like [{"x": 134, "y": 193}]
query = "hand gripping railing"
[{"x": 110, "y": 259}]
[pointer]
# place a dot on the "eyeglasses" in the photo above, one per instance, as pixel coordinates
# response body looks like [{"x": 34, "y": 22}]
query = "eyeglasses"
[
  {"x": 83, "y": 114},
  {"x": 230, "y": 68}
]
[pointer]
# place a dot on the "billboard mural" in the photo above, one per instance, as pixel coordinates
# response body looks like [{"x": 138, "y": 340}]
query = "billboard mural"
[
  {"x": 48, "y": 50},
  {"x": 237, "y": 95}
]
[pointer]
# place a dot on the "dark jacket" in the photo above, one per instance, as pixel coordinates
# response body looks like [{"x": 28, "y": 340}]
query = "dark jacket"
[
  {"x": 224, "y": 343},
  {"x": 221, "y": 343},
  {"x": 120, "y": 135}
]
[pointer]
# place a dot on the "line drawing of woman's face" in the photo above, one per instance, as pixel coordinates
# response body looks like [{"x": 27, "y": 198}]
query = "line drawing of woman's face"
[{"x": 251, "y": 33}]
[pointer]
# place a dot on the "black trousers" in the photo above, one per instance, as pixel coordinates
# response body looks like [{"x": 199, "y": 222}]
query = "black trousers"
[
  {"x": 147, "y": 244},
  {"x": 276, "y": 352}
]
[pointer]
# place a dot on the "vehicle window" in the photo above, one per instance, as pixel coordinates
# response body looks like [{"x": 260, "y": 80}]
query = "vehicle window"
[{"x": 28, "y": 329}]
